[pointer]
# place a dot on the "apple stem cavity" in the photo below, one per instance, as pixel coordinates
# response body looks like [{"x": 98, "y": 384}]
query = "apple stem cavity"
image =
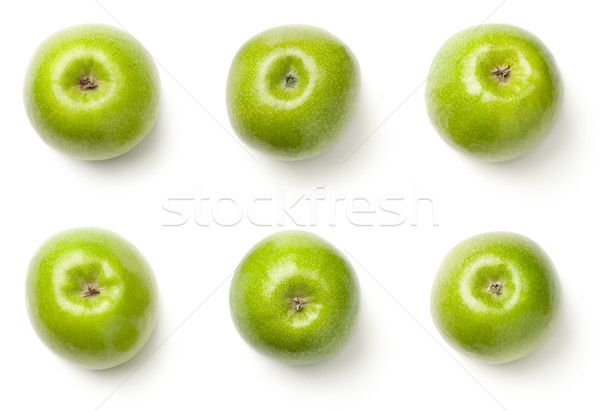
[
  {"x": 90, "y": 290},
  {"x": 88, "y": 83},
  {"x": 495, "y": 288},
  {"x": 290, "y": 80},
  {"x": 297, "y": 303},
  {"x": 501, "y": 74}
]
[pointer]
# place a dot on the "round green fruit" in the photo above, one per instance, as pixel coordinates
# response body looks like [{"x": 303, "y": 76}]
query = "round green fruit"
[
  {"x": 292, "y": 90},
  {"x": 91, "y": 297},
  {"x": 92, "y": 92},
  {"x": 496, "y": 297},
  {"x": 493, "y": 92},
  {"x": 295, "y": 298}
]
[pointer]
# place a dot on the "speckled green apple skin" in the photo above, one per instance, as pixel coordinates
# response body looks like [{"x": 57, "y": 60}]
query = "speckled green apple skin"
[
  {"x": 480, "y": 116},
  {"x": 503, "y": 327},
  {"x": 303, "y": 120},
  {"x": 293, "y": 264},
  {"x": 96, "y": 123},
  {"x": 98, "y": 331}
]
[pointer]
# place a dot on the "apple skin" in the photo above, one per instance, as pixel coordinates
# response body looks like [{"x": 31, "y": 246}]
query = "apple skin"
[
  {"x": 502, "y": 326},
  {"x": 285, "y": 269},
  {"x": 477, "y": 112},
  {"x": 100, "y": 330},
  {"x": 83, "y": 121},
  {"x": 302, "y": 117}
]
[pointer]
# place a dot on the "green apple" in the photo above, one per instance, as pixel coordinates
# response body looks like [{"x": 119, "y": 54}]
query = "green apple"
[
  {"x": 292, "y": 90},
  {"x": 92, "y": 92},
  {"x": 493, "y": 92},
  {"x": 91, "y": 297},
  {"x": 294, "y": 297},
  {"x": 496, "y": 297}
]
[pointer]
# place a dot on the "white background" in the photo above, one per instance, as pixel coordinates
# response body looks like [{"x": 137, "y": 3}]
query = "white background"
[{"x": 396, "y": 357}]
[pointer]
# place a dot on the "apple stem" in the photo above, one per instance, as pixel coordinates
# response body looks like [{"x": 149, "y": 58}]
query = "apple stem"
[
  {"x": 495, "y": 288},
  {"x": 298, "y": 303},
  {"x": 88, "y": 82},
  {"x": 501, "y": 74},
  {"x": 90, "y": 289},
  {"x": 290, "y": 80}
]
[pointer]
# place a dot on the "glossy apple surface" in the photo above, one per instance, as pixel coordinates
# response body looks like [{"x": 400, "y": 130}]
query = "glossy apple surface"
[
  {"x": 292, "y": 90},
  {"x": 493, "y": 92},
  {"x": 91, "y": 297},
  {"x": 295, "y": 298},
  {"x": 496, "y": 297},
  {"x": 92, "y": 91}
]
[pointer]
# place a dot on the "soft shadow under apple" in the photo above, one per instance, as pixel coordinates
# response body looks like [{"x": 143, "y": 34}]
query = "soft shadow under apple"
[
  {"x": 347, "y": 358},
  {"x": 331, "y": 159},
  {"x": 549, "y": 159},
  {"x": 545, "y": 359},
  {"x": 118, "y": 373},
  {"x": 143, "y": 157}
]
